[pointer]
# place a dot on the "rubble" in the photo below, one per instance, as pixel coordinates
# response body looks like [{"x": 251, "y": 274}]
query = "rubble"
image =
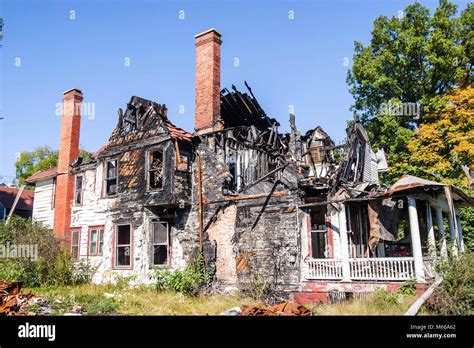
[
  {"x": 11, "y": 300},
  {"x": 232, "y": 311},
  {"x": 288, "y": 308}
]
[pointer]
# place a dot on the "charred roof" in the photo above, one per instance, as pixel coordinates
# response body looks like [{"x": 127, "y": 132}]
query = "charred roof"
[{"x": 243, "y": 109}]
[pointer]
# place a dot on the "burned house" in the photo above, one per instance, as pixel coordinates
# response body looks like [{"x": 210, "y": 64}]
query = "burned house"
[{"x": 297, "y": 212}]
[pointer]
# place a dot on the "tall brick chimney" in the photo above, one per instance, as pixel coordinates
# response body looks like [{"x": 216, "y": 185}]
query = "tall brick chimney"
[
  {"x": 68, "y": 153},
  {"x": 208, "y": 81}
]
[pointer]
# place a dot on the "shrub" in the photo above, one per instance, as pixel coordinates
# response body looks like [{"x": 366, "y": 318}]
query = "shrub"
[
  {"x": 62, "y": 272},
  {"x": 455, "y": 295},
  {"x": 190, "y": 281},
  {"x": 51, "y": 267}
]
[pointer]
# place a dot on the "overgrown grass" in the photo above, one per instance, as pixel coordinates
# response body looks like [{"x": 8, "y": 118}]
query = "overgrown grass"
[
  {"x": 380, "y": 302},
  {"x": 135, "y": 301},
  {"x": 52, "y": 266}
]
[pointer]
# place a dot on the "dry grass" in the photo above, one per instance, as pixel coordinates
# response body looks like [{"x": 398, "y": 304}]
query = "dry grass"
[
  {"x": 377, "y": 303},
  {"x": 136, "y": 301}
]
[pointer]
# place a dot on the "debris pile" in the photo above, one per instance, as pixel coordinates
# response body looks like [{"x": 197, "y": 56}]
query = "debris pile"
[
  {"x": 286, "y": 308},
  {"x": 10, "y": 298}
]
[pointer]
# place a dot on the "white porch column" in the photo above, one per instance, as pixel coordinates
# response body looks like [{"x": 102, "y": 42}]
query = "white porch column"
[
  {"x": 346, "y": 272},
  {"x": 460, "y": 239},
  {"x": 442, "y": 238},
  {"x": 452, "y": 233},
  {"x": 415, "y": 240},
  {"x": 430, "y": 228}
]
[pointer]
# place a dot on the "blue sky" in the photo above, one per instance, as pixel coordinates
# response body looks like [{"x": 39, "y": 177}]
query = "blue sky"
[{"x": 298, "y": 61}]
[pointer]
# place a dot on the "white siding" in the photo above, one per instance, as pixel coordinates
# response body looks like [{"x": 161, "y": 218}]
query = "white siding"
[{"x": 42, "y": 203}]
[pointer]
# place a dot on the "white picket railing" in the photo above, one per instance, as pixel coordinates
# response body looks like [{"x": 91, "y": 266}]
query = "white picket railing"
[
  {"x": 384, "y": 268},
  {"x": 324, "y": 269}
]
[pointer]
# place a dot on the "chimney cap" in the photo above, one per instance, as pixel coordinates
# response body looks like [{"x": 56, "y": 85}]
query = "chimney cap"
[
  {"x": 208, "y": 31},
  {"x": 73, "y": 89}
]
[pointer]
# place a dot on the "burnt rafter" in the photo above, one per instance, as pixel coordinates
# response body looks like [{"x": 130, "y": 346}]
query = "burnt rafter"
[{"x": 240, "y": 109}]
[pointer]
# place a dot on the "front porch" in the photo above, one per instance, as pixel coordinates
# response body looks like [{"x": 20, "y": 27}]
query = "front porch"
[{"x": 360, "y": 241}]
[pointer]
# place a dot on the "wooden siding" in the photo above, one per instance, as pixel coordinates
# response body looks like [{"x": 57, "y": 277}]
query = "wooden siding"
[{"x": 42, "y": 205}]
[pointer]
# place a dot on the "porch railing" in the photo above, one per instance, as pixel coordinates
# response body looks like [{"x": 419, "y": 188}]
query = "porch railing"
[
  {"x": 384, "y": 268},
  {"x": 324, "y": 269}
]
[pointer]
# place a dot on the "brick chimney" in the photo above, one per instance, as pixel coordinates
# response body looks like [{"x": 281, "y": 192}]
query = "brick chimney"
[
  {"x": 68, "y": 153},
  {"x": 208, "y": 81}
]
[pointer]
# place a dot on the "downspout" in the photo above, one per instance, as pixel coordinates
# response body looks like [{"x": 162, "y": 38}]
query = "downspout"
[
  {"x": 415, "y": 307},
  {"x": 198, "y": 155}
]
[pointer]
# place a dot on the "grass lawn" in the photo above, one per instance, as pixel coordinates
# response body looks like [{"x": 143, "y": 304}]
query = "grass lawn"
[
  {"x": 376, "y": 303},
  {"x": 133, "y": 301},
  {"x": 144, "y": 300}
]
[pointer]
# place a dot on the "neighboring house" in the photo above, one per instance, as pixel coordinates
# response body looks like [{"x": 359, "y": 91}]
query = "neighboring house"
[
  {"x": 298, "y": 212},
  {"x": 24, "y": 206}
]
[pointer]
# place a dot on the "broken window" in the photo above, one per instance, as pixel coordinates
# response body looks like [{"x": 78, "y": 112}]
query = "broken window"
[
  {"x": 75, "y": 244},
  {"x": 111, "y": 178},
  {"x": 319, "y": 235},
  {"x": 317, "y": 152},
  {"x": 78, "y": 192},
  {"x": 160, "y": 243},
  {"x": 155, "y": 169},
  {"x": 123, "y": 246},
  {"x": 231, "y": 183},
  {"x": 96, "y": 241},
  {"x": 184, "y": 162}
]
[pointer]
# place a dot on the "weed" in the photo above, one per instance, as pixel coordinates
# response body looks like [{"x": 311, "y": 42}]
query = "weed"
[
  {"x": 102, "y": 306},
  {"x": 190, "y": 281},
  {"x": 408, "y": 287}
]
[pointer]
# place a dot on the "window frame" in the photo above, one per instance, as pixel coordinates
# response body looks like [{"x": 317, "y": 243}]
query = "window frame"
[
  {"x": 100, "y": 232},
  {"x": 149, "y": 152},
  {"x": 82, "y": 176},
  {"x": 167, "y": 244},
  {"x": 53, "y": 198},
  {"x": 106, "y": 179},
  {"x": 78, "y": 231},
  {"x": 115, "y": 246}
]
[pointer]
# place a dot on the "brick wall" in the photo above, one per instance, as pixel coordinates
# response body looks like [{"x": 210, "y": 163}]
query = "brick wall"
[
  {"x": 68, "y": 152},
  {"x": 207, "y": 102}
]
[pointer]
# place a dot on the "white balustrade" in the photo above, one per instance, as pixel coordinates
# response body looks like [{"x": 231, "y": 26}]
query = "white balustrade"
[
  {"x": 324, "y": 269},
  {"x": 385, "y": 268}
]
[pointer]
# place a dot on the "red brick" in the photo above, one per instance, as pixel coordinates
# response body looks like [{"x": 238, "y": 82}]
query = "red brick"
[
  {"x": 208, "y": 80},
  {"x": 68, "y": 153}
]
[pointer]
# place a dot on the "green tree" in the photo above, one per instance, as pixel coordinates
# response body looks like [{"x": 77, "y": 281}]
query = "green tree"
[
  {"x": 41, "y": 158},
  {"x": 29, "y": 163},
  {"x": 414, "y": 60}
]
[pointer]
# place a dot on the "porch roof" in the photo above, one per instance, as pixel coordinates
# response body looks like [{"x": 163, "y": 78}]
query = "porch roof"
[{"x": 408, "y": 182}]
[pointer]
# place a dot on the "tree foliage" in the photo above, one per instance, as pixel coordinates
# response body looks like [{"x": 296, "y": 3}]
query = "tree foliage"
[
  {"x": 444, "y": 145},
  {"x": 415, "y": 59},
  {"x": 41, "y": 158},
  {"x": 29, "y": 163}
]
